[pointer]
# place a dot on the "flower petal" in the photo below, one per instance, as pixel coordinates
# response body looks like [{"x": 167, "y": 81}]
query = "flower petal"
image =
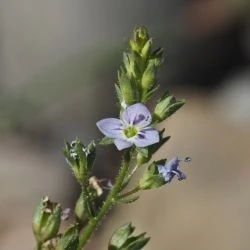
[
  {"x": 111, "y": 127},
  {"x": 146, "y": 137},
  {"x": 171, "y": 169},
  {"x": 121, "y": 144},
  {"x": 137, "y": 114},
  {"x": 172, "y": 164}
]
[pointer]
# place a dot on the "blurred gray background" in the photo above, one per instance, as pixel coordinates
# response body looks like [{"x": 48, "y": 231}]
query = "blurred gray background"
[{"x": 58, "y": 64}]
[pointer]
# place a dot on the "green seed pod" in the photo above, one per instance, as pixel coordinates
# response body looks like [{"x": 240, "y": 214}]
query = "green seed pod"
[
  {"x": 46, "y": 220},
  {"x": 82, "y": 209}
]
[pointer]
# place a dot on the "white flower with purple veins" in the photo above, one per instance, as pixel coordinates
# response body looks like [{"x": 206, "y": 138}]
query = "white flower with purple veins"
[
  {"x": 132, "y": 129},
  {"x": 171, "y": 169}
]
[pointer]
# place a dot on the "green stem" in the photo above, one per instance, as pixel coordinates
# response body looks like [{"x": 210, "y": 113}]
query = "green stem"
[
  {"x": 107, "y": 205},
  {"x": 133, "y": 191}
]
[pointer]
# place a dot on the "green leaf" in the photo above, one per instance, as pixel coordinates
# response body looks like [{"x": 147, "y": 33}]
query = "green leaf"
[{"x": 128, "y": 200}]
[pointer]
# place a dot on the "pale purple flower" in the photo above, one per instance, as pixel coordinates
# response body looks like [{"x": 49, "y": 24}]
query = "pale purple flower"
[
  {"x": 171, "y": 169},
  {"x": 132, "y": 128}
]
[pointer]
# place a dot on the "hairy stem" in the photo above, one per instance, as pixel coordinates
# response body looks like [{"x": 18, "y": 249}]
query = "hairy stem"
[
  {"x": 107, "y": 205},
  {"x": 132, "y": 191}
]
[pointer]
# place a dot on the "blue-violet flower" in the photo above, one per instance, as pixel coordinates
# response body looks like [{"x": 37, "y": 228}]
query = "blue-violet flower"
[
  {"x": 171, "y": 169},
  {"x": 132, "y": 128}
]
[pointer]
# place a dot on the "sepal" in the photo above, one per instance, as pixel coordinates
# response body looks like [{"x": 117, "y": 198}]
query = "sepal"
[
  {"x": 70, "y": 239},
  {"x": 122, "y": 239},
  {"x": 152, "y": 178}
]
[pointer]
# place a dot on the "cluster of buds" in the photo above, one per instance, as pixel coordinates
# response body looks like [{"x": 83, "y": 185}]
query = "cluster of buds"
[{"x": 137, "y": 77}]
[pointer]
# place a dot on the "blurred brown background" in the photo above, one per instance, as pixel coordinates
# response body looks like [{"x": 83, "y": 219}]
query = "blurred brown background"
[{"x": 58, "y": 62}]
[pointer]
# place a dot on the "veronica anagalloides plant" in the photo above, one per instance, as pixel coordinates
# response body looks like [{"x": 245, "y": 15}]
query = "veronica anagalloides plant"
[{"x": 134, "y": 133}]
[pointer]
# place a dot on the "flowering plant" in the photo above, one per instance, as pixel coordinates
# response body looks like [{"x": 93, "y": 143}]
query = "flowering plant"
[{"x": 134, "y": 134}]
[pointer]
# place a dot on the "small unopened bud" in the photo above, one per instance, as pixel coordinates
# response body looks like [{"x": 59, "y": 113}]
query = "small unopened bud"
[
  {"x": 127, "y": 90},
  {"x": 46, "y": 220},
  {"x": 141, "y": 35},
  {"x": 82, "y": 209},
  {"x": 145, "y": 52},
  {"x": 149, "y": 76},
  {"x": 140, "y": 38},
  {"x": 166, "y": 107}
]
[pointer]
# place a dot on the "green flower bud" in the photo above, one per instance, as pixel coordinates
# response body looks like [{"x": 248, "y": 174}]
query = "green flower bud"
[
  {"x": 149, "y": 76},
  {"x": 82, "y": 209},
  {"x": 166, "y": 107},
  {"x": 151, "y": 178},
  {"x": 127, "y": 91},
  {"x": 46, "y": 220},
  {"x": 140, "y": 37},
  {"x": 69, "y": 240},
  {"x": 146, "y": 50},
  {"x": 129, "y": 64}
]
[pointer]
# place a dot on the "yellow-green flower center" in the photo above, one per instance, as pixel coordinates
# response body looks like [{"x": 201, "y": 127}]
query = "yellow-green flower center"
[{"x": 130, "y": 132}]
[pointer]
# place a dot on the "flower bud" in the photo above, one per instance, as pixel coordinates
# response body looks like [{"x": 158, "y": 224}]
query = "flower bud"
[
  {"x": 140, "y": 37},
  {"x": 166, "y": 107},
  {"x": 69, "y": 240},
  {"x": 149, "y": 76},
  {"x": 127, "y": 90},
  {"x": 46, "y": 220},
  {"x": 82, "y": 209},
  {"x": 145, "y": 52}
]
